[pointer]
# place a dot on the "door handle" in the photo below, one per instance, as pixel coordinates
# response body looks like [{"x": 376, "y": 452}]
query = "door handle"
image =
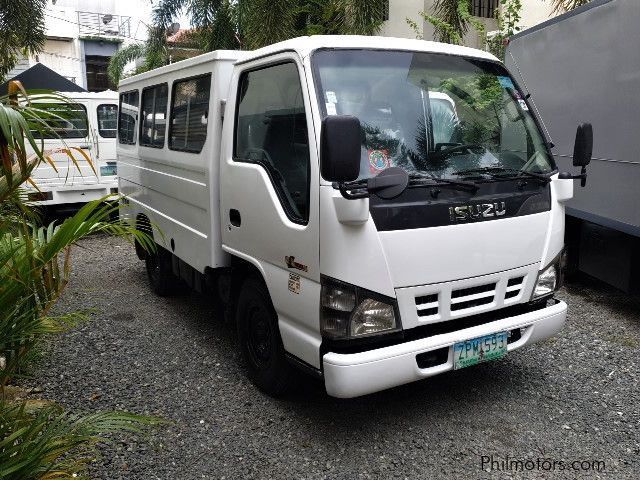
[
  {"x": 85, "y": 147},
  {"x": 235, "y": 218}
]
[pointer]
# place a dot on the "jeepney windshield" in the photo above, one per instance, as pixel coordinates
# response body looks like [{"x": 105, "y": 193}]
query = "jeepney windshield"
[{"x": 428, "y": 113}]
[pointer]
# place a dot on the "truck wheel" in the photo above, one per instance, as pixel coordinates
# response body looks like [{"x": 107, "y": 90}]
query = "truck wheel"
[
  {"x": 163, "y": 281},
  {"x": 260, "y": 340}
]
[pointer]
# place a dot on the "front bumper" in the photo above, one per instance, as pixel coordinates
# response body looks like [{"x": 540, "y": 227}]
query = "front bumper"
[{"x": 352, "y": 375}]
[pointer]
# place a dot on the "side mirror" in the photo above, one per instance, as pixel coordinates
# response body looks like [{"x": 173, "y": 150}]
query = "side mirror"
[
  {"x": 583, "y": 148},
  {"x": 582, "y": 151},
  {"x": 340, "y": 141}
]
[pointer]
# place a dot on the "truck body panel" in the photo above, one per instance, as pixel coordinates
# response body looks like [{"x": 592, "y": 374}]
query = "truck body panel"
[{"x": 583, "y": 67}]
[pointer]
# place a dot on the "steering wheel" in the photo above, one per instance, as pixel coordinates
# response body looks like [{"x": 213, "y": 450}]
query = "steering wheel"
[{"x": 260, "y": 154}]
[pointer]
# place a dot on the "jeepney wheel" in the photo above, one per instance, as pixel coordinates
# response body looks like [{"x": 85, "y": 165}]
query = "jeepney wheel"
[
  {"x": 163, "y": 281},
  {"x": 260, "y": 340}
]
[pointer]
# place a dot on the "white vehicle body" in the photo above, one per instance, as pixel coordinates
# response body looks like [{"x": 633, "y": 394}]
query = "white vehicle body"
[
  {"x": 95, "y": 135},
  {"x": 216, "y": 216}
]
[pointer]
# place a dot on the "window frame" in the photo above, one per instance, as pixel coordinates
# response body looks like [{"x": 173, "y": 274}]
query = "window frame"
[
  {"x": 173, "y": 92},
  {"x": 98, "y": 118},
  {"x": 284, "y": 202},
  {"x": 152, "y": 87},
  {"x": 135, "y": 129},
  {"x": 63, "y": 138}
]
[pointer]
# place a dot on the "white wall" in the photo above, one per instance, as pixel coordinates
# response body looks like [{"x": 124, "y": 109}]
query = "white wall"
[
  {"x": 400, "y": 10},
  {"x": 535, "y": 12},
  {"x": 63, "y": 57}
]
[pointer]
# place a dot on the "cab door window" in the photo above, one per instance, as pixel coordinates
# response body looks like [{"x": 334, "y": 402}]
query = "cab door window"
[{"x": 271, "y": 130}]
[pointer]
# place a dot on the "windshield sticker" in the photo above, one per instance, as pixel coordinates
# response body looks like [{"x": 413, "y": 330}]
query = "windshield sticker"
[
  {"x": 331, "y": 109},
  {"x": 506, "y": 82},
  {"x": 331, "y": 97},
  {"x": 378, "y": 160},
  {"x": 523, "y": 104}
]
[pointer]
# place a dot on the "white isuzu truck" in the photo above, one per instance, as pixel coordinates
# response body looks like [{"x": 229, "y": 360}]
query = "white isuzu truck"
[{"x": 373, "y": 211}]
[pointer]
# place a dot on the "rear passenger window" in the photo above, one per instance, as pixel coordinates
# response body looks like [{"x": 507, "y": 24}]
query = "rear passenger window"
[
  {"x": 62, "y": 121},
  {"x": 128, "y": 118},
  {"x": 271, "y": 130},
  {"x": 154, "y": 110},
  {"x": 189, "y": 114},
  {"x": 107, "y": 120}
]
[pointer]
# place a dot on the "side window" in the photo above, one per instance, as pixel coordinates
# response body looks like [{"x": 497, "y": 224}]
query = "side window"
[
  {"x": 153, "y": 112},
  {"x": 128, "y": 118},
  {"x": 189, "y": 114},
  {"x": 271, "y": 130},
  {"x": 107, "y": 120}
]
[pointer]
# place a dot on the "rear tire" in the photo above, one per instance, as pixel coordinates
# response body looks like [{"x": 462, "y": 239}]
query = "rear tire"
[
  {"x": 160, "y": 272},
  {"x": 260, "y": 340}
]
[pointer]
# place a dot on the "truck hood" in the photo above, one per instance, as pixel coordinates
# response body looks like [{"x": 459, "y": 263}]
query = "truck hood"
[{"x": 429, "y": 255}]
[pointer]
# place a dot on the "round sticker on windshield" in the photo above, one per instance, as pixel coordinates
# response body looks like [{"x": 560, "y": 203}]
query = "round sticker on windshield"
[{"x": 378, "y": 160}]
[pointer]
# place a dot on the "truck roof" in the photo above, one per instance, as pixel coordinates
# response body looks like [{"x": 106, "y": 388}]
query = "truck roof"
[{"x": 305, "y": 45}]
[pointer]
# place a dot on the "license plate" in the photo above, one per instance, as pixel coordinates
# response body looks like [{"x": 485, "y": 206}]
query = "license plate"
[
  {"x": 478, "y": 350},
  {"x": 108, "y": 170}
]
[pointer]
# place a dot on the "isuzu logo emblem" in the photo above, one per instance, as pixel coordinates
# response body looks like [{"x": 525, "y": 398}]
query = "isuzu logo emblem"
[{"x": 479, "y": 211}]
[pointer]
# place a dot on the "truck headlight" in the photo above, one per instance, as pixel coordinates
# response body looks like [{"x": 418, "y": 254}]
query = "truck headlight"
[
  {"x": 347, "y": 311},
  {"x": 547, "y": 282}
]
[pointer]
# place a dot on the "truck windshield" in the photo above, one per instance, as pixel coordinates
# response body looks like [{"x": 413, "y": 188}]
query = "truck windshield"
[{"x": 435, "y": 114}]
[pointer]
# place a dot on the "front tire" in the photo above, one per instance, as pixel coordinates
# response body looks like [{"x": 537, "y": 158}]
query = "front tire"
[
  {"x": 260, "y": 340},
  {"x": 160, "y": 272}
]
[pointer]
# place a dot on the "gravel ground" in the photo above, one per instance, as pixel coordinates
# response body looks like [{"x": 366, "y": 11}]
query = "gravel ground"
[{"x": 574, "y": 397}]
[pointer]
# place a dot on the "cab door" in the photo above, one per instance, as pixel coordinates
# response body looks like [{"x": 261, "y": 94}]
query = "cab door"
[
  {"x": 269, "y": 192},
  {"x": 107, "y": 125}
]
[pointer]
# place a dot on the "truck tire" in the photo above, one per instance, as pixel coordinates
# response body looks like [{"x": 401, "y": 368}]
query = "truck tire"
[
  {"x": 161, "y": 278},
  {"x": 260, "y": 340}
]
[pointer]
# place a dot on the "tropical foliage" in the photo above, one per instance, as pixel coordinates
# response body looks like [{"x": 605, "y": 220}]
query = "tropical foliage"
[
  {"x": 451, "y": 20},
  {"x": 508, "y": 17},
  {"x": 566, "y": 5},
  {"x": 23, "y": 31},
  {"x": 35, "y": 264},
  {"x": 233, "y": 24}
]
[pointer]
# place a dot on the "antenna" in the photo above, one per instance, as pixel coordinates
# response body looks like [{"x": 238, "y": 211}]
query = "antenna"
[{"x": 528, "y": 96}]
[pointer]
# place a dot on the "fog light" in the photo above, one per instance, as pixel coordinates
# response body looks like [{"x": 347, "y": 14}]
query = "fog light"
[
  {"x": 372, "y": 316},
  {"x": 546, "y": 283}
]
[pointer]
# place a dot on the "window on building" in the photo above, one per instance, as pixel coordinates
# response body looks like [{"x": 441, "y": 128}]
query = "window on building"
[
  {"x": 97, "y": 78},
  {"x": 107, "y": 120},
  {"x": 63, "y": 121},
  {"x": 484, "y": 8},
  {"x": 189, "y": 114},
  {"x": 128, "y": 118},
  {"x": 154, "y": 112},
  {"x": 271, "y": 130}
]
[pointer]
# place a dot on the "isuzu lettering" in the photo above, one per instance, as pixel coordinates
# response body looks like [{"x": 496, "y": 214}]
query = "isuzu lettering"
[{"x": 373, "y": 211}]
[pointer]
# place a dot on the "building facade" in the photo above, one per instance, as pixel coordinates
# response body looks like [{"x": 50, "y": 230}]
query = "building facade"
[
  {"x": 82, "y": 35},
  {"x": 533, "y": 12}
]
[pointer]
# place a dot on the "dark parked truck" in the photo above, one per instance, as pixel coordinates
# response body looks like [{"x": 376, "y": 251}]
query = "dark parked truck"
[{"x": 584, "y": 66}]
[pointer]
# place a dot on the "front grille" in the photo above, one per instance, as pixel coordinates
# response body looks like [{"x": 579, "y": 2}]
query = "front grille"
[
  {"x": 514, "y": 286},
  {"x": 427, "y": 305},
  {"x": 473, "y": 296},
  {"x": 460, "y": 298}
]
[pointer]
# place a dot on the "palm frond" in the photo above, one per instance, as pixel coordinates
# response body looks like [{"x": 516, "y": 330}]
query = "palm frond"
[{"x": 53, "y": 444}]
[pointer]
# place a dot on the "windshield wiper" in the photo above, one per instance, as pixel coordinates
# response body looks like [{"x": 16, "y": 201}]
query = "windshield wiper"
[
  {"x": 415, "y": 181},
  {"x": 497, "y": 170}
]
